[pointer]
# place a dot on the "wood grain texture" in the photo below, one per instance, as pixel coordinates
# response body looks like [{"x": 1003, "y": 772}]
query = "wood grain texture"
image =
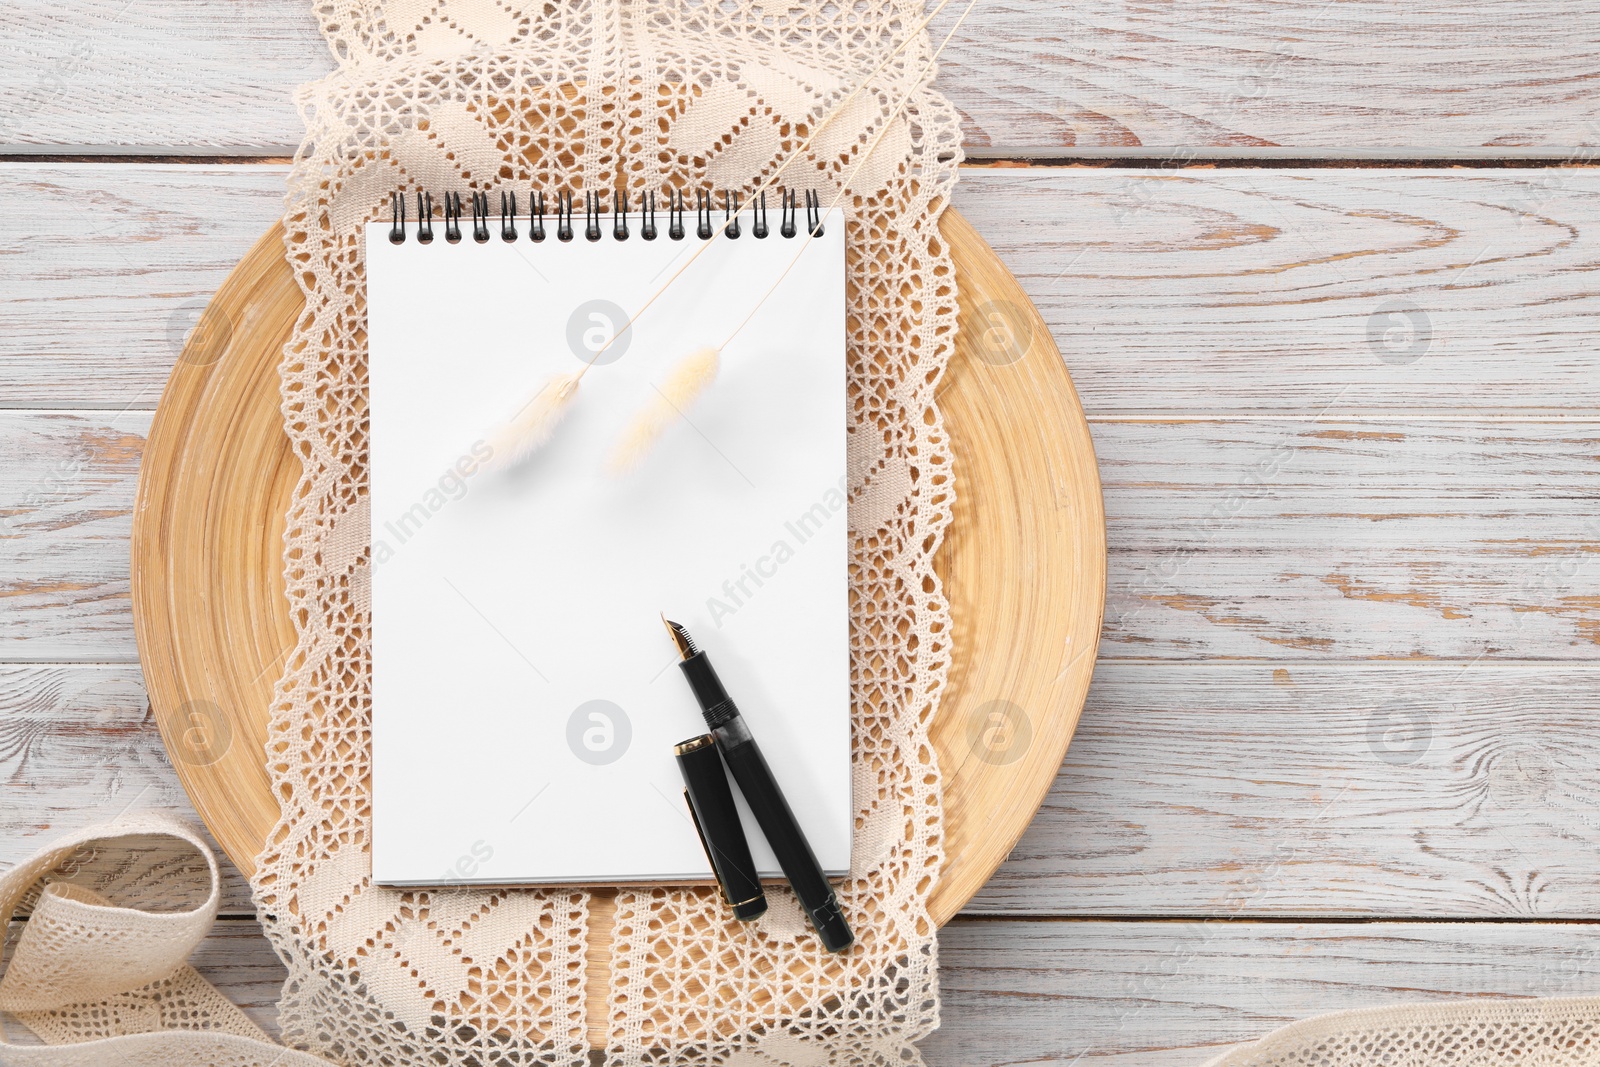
[
  {"x": 207, "y": 74},
  {"x": 1264, "y": 539},
  {"x": 1311, "y": 292},
  {"x": 1177, "y": 993},
  {"x": 1029, "y": 79},
  {"x": 111, "y": 270},
  {"x": 1120, "y": 993},
  {"x": 212, "y": 616},
  {"x": 1239, "y": 791},
  {"x": 1192, "y": 293},
  {"x": 65, "y": 514},
  {"x": 1328, "y": 539},
  {"x": 1346, "y": 78},
  {"x": 1460, "y": 790},
  {"x": 1031, "y": 504},
  {"x": 79, "y": 746},
  {"x": 212, "y": 506}
]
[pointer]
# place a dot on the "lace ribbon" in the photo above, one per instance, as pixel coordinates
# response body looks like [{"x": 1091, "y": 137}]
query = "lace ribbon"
[
  {"x": 1536, "y": 1032},
  {"x": 102, "y": 983}
]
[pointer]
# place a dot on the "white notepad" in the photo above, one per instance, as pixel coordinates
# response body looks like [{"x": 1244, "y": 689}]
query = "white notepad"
[{"x": 525, "y": 696}]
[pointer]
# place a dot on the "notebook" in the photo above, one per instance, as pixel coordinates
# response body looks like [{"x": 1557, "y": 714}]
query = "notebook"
[{"x": 525, "y": 695}]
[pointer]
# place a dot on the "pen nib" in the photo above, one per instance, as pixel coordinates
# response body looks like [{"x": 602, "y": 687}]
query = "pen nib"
[{"x": 680, "y": 638}]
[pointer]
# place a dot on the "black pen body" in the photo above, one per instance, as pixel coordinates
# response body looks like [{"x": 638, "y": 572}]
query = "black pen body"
[
  {"x": 782, "y": 831},
  {"x": 768, "y": 804}
]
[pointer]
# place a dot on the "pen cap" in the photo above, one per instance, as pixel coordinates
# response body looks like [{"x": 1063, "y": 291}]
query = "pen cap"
[{"x": 716, "y": 819}]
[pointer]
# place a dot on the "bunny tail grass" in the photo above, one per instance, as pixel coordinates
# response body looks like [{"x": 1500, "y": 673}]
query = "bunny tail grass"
[
  {"x": 533, "y": 425},
  {"x": 683, "y": 386}
]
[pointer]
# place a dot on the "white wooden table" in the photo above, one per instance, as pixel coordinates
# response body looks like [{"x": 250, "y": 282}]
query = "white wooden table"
[{"x": 1343, "y": 745}]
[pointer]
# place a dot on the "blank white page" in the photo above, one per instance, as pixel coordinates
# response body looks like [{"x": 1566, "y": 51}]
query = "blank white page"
[{"x": 525, "y": 696}]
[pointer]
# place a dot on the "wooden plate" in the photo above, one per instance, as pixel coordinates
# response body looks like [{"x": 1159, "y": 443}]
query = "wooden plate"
[{"x": 1023, "y": 564}]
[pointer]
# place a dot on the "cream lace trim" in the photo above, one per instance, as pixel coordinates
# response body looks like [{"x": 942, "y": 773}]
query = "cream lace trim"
[
  {"x": 104, "y": 981},
  {"x": 447, "y": 94}
]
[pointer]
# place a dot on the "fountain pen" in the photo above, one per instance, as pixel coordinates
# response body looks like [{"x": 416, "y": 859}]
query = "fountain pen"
[{"x": 754, "y": 778}]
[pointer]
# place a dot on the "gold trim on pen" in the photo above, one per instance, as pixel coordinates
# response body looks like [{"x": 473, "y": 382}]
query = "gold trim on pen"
[{"x": 694, "y": 744}]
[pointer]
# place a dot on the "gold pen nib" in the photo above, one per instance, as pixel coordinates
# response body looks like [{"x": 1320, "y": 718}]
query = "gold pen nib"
[{"x": 680, "y": 638}]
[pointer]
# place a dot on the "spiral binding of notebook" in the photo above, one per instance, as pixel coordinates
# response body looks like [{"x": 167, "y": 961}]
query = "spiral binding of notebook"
[{"x": 620, "y": 216}]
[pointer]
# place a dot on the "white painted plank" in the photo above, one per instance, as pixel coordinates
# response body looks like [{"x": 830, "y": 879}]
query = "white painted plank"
[
  {"x": 1197, "y": 292},
  {"x": 1337, "y": 575},
  {"x": 1427, "y": 79},
  {"x": 1229, "y": 790},
  {"x": 66, "y": 511},
  {"x": 1308, "y": 292},
  {"x": 1255, "y": 539},
  {"x": 1118, "y": 993},
  {"x": 1028, "y": 77},
  {"x": 78, "y": 747},
  {"x": 206, "y": 75},
  {"x": 1155, "y": 994},
  {"x": 1330, "y": 539},
  {"x": 107, "y": 267},
  {"x": 1393, "y": 789}
]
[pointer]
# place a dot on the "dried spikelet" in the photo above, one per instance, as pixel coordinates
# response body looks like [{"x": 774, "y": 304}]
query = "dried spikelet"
[
  {"x": 686, "y": 382},
  {"x": 533, "y": 425}
]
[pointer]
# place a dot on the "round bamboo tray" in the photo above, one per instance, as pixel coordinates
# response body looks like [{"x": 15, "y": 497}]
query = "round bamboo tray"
[{"x": 1023, "y": 564}]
